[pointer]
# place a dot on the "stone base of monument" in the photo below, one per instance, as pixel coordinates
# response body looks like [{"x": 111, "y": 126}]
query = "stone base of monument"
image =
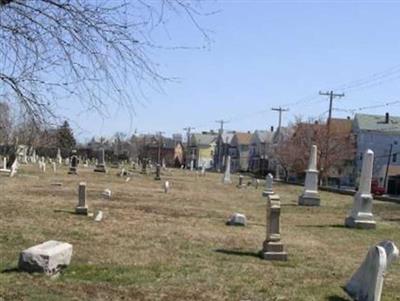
[
  {"x": 157, "y": 178},
  {"x": 81, "y": 210},
  {"x": 48, "y": 257},
  {"x": 352, "y": 222},
  {"x": 309, "y": 199},
  {"x": 273, "y": 251},
  {"x": 267, "y": 193},
  {"x": 100, "y": 168},
  {"x": 72, "y": 171}
]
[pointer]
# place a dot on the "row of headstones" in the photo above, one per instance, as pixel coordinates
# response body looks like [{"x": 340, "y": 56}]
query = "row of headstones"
[
  {"x": 361, "y": 214},
  {"x": 365, "y": 284}
]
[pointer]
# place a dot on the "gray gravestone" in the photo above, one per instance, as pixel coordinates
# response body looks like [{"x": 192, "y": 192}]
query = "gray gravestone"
[
  {"x": 101, "y": 161},
  {"x": 48, "y": 257},
  {"x": 269, "y": 179},
  {"x": 273, "y": 247},
  {"x": 361, "y": 214},
  {"x": 367, "y": 282},
  {"x": 82, "y": 208},
  {"x": 310, "y": 196}
]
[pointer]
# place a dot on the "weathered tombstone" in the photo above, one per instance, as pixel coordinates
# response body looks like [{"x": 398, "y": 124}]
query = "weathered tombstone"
[
  {"x": 191, "y": 165},
  {"x": 158, "y": 172},
  {"x": 59, "y": 157},
  {"x": 361, "y": 214},
  {"x": 241, "y": 184},
  {"x": 203, "y": 170},
  {"x": 310, "y": 196},
  {"x": 81, "y": 208},
  {"x": 164, "y": 165},
  {"x": 74, "y": 164},
  {"x": 66, "y": 161},
  {"x": 166, "y": 186},
  {"x": 367, "y": 282},
  {"x": 101, "y": 162},
  {"x": 256, "y": 183},
  {"x": 268, "y": 185},
  {"x": 14, "y": 168},
  {"x": 227, "y": 175},
  {"x": 34, "y": 158},
  {"x": 49, "y": 257},
  {"x": 237, "y": 219},
  {"x": 54, "y": 167},
  {"x": 99, "y": 216},
  {"x": 272, "y": 246},
  {"x": 144, "y": 166},
  {"x": 106, "y": 194},
  {"x": 5, "y": 163}
]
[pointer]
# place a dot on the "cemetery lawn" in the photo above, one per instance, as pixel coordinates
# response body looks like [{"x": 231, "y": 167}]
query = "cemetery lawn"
[{"x": 176, "y": 246}]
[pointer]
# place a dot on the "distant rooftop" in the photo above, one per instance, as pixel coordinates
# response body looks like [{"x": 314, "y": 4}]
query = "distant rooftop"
[{"x": 382, "y": 123}]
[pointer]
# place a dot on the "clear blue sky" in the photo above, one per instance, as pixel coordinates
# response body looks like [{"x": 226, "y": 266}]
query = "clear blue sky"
[{"x": 265, "y": 54}]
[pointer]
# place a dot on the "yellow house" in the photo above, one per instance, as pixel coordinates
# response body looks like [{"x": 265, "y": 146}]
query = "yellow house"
[{"x": 202, "y": 149}]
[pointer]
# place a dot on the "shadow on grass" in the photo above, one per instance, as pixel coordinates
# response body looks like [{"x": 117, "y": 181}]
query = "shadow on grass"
[
  {"x": 336, "y": 298},
  {"x": 64, "y": 211},
  {"x": 11, "y": 270},
  {"x": 324, "y": 226},
  {"x": 238, "y": 253}
]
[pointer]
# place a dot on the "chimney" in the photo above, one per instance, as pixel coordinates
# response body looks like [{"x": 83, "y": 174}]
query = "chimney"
[
  {"x": 386, "y": 117},
  {"x": 272, "y": 128}
]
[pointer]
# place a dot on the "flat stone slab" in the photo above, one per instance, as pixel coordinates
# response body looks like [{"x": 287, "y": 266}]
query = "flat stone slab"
[
  {"x": 237, "y": 219},
  {"x": 48, "y": 257}
]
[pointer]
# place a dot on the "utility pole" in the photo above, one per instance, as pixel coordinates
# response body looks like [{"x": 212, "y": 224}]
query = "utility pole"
[
  {"x": 221, "y": 130},
  {"x": 331, "y": 98},
  {"x": 188, "y": 141},
  {"x": 331, "y": 95},
  {"x": 159, "y": 134},
  {"x": 387, "y": 168},
  {"x": 280, "y": 110}
]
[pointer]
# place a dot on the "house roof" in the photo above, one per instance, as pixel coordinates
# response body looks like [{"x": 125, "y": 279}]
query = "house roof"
[
  {"x": 340, "y": 125},
  {"x": 367, "y": 122},
  {"x": 243, "y": 138},
  {"x": 203, "y": 139},
  {"x": 226, "y": 137},
  {"x": 263, "y": 136}
]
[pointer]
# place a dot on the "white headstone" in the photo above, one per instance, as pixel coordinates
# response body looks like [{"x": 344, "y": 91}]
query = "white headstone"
[
  {"x": 203, "y": 170},
  {"x": 106, "y": 193},
  {"x": 99, "y": 216},
  {"x": 367, "y": 282},
  {"x": 191, "y": 165},
  {"x": 237, "y": 219},
  {"x": 48, "y": 257},
  {"x": 269, "y": 179},
  {"x": 166, "y": 186},
  {"x": 227, "y": 175},
  {"x": 361, "y": 214},
  {"x": 54, "y": 166},
  {"x": 310, "y": 196}
]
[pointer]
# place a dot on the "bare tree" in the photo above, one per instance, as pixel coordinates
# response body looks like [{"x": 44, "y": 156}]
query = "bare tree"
[
  {"x": 5, "y": 123},
  {"x": 56, "y": 50},
  {"x": 336, "y": 148}
]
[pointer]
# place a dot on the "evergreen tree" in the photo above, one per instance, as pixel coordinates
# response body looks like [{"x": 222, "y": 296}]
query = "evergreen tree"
[{"x": 65, "y": 137}]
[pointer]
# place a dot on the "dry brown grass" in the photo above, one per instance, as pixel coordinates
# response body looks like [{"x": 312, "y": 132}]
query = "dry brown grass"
[{"x": 176, "y": 246}]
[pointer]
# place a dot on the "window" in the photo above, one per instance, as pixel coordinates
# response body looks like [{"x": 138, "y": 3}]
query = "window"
[{"x": 394, "y": 158}]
